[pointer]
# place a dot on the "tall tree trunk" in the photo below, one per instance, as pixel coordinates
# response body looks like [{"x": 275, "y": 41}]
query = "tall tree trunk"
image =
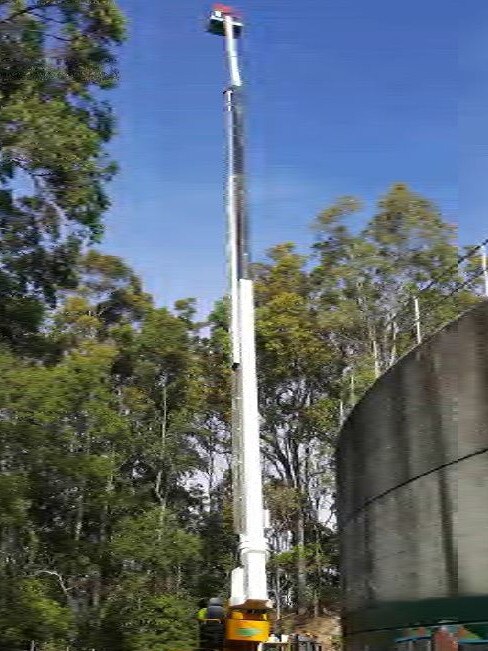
[
  {"x": 80, "y": 512},
  {"x": 158, "y": 489},
  {"x": 81, "y": 431},
  {"x": 102, "y": 538},
  {"x": 316, "y": 596},
  {"x": 277, "y": 576},
  {"x": 301, "y": 569}
]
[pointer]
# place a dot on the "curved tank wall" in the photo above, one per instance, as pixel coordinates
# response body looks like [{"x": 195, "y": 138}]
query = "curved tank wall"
[{"x": 412, "y": 470}]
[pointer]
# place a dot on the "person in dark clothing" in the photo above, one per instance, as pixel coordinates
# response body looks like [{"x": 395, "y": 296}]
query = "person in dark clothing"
[
  {"x": 212, "y": 626},
  {"x": 215, "y": 609}
]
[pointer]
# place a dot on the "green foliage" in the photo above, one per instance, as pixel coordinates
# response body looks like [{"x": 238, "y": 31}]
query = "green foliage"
[
  {"x": 138, "y": 543},
  {"x": 28, "y": 611},
  {"x": 115, "y": 505},
  {"x": 218, "y": 546},
  {"x": 56, "y": 55},
  {"x": 162, "y": 623}
]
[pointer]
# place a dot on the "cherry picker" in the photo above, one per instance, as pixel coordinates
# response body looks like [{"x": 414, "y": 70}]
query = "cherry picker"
[{"x": 246, "y": 617}]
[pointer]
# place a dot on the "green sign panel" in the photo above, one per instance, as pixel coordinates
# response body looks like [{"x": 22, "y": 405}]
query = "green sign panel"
[{"x": 248, "y": 632}]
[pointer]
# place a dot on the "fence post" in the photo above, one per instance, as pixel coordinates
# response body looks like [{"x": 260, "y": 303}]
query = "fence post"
[
  {"x": 417, "y": 319},
  {"x": 353, "y": 390},
  {"x": 376, "y": 360},
  {"x": 394, "y": 332},
  {"x": 484, "y": 266}
]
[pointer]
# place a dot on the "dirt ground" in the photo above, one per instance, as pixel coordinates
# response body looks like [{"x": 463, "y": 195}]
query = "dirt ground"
[{"x": 325, "y": 628}]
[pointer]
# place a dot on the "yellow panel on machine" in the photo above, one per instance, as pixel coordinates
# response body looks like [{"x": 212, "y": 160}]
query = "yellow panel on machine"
[{"x": 247, "y": 627}]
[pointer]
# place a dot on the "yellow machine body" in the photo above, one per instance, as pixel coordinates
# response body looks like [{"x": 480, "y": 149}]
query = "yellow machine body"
[{"x": 247, "y": 627}]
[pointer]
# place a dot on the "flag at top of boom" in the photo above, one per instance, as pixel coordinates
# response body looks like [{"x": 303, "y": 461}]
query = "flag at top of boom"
[{"x": 249, "y": 588}]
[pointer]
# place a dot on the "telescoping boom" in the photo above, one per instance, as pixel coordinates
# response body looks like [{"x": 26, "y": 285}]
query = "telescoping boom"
[{"x": 249, "y": 588}]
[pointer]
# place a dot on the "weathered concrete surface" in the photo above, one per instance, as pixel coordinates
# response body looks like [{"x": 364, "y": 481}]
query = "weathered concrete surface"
[{"x": 413, "y": 475}]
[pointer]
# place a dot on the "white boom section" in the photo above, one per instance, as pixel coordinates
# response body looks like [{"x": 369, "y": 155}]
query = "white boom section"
[
  {"x": 249, "y": 585},
  {"x": 231, "y": 49},
  {"x": 252, "y": 547}
]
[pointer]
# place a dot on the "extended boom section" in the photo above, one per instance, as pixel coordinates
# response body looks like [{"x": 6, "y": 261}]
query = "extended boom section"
[{"x": 247, "y": 620}]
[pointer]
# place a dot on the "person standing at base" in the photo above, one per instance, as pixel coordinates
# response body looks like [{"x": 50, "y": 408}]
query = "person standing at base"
[
  {"x": 211, "y": 624},
  {"x": 202, "y": 610}
]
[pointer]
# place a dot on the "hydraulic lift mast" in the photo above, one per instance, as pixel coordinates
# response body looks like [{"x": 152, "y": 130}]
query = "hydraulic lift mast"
[{"x": 249, "y": 602}]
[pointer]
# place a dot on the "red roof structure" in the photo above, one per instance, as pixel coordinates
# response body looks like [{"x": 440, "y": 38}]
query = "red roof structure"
[{"x": 225, "y": 10}]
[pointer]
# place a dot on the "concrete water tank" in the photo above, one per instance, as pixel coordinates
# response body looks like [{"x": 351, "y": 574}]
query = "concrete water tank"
[{"x": 412, "y": 466}]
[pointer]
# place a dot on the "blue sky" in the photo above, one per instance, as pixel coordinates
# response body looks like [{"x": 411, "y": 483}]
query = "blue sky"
[{"x": 343, "y": 97}]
